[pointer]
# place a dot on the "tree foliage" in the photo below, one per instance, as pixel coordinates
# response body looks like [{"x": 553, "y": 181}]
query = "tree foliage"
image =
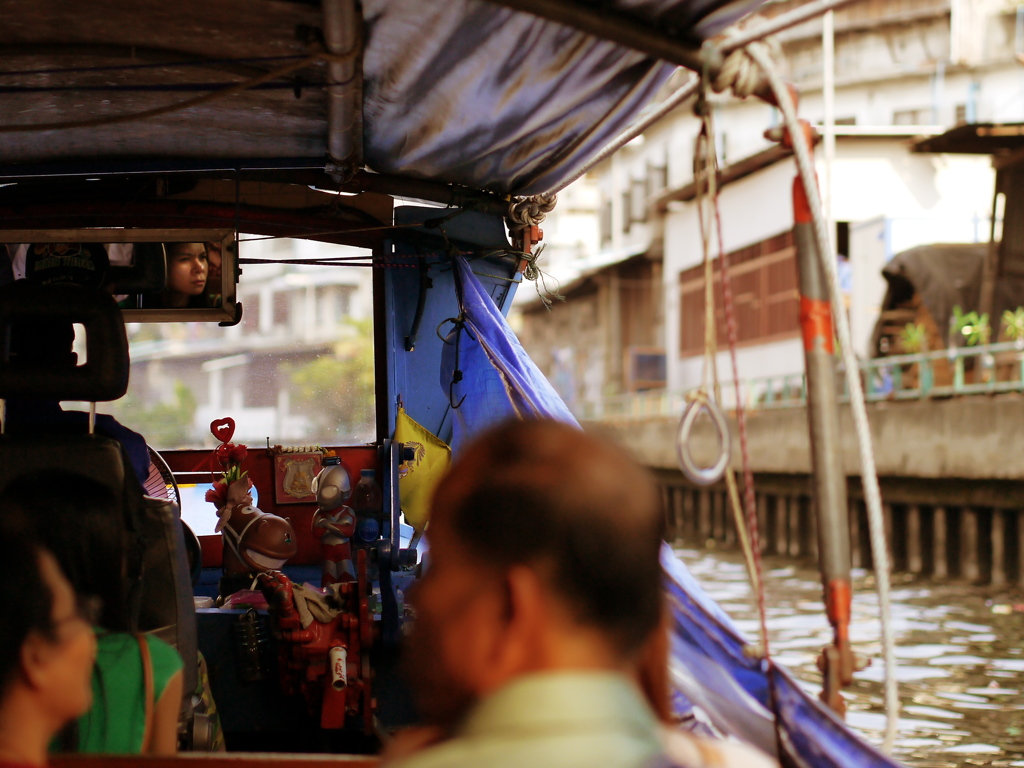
[
  {"x": 337, "y": 389},
  {"x": 163, "y": 424}
]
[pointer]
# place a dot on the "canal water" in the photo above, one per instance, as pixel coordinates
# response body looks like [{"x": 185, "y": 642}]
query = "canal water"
[{"x": 960, "y": 655}]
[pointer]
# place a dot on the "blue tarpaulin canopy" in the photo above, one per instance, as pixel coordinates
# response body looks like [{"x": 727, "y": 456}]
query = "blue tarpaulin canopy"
[{"x": 462, "y": 91}]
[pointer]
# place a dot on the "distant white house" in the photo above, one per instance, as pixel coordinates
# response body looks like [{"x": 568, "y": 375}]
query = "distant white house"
[{"x": 903, "y": 70}]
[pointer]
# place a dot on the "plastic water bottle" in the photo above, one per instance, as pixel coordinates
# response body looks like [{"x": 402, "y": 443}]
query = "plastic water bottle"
[{"x": 367, "y": 498}]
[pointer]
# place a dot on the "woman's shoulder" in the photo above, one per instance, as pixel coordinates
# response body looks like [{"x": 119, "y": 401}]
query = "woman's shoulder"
[
  {"x": 164, "y": 656},
  {"x": 115, "y": 646}
]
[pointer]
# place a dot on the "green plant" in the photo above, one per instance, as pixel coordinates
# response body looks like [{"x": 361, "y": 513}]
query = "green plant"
[
  {"x": 166, "y": 424},
  {"x": 337, "y": 387},
  {"x": 913, "y": 338},
  {"x": 973, "y": 327},
  {"x": 1013, "y": 324},
  {"x": 978, "y": 331}
]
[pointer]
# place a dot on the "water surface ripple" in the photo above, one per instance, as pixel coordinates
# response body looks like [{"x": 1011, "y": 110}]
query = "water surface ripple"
[{"x": 959, "y": 653}]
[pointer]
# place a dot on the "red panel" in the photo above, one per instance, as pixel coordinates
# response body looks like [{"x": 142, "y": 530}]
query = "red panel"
[{"x": 260, "y": 466}]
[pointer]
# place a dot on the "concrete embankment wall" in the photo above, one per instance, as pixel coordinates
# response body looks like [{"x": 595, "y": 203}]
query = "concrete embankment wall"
[{"x": 951, "y": 472}]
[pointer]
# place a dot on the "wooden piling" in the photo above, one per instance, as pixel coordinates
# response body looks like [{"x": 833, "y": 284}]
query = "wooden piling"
[
  {"x": 967, "y": 538},
  {"x": 690, "y": 515},
  {"x": 716, "y": 516},
  {"x": 940, "y": 543},
  {"x": 968, "y": 556},
  {"x": 997, "y": 569},
  {"x": 704, "y": 518},
  {"x": 730, "y": 520},
  {"x": 915, "y": 561}
]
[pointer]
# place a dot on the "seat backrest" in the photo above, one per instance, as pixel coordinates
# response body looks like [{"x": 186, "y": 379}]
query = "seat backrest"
[
  {"x": 161, "y": 595},
  {"x": 104, "y": 375},
  {"x": 166, "y": 606}
]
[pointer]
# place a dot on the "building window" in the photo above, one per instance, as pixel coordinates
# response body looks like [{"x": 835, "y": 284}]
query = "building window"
[
  {"x": 911, "y": 116},
  {"x": 960, "y": 115},
  {"x": 251, "y": 313},
  {"x": 605, "y": 223},
  {"x": 766, "y": 299},
  {"x": 638, "y": 212},
  {"x": 281, "y": 306},
  {"x": 657, "y": 179},
  {"x": 627, "y": 209}
]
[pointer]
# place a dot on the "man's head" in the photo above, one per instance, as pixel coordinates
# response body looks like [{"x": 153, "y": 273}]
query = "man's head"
[{"x": 544, "y": 555}]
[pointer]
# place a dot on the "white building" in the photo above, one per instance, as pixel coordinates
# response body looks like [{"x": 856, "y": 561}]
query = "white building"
[{"x": 903, "y": 69}]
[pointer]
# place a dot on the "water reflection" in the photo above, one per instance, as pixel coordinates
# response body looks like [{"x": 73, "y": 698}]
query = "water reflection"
[{"x": 959, "y": 651}]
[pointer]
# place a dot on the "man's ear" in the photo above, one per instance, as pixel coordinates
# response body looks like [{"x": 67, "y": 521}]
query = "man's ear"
[{"x": 524, "y": 621}]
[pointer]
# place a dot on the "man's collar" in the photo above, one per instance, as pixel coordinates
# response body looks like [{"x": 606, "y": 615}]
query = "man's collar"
[{"x": 559, "y": 701}]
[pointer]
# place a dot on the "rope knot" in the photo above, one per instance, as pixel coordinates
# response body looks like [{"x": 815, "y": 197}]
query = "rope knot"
[
  {"x": 531, "y": 211},
  {"x": 740, "y": 72}
]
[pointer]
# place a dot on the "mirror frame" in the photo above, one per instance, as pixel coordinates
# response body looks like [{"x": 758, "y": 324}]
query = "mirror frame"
[{"x": 229, "y": 312}]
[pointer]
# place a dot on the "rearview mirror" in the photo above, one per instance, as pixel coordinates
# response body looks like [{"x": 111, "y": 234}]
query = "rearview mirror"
[{"x": 157, "y": 275}]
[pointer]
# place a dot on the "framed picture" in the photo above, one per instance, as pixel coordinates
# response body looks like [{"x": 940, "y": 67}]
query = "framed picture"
[{"x": 293, "y": 475}]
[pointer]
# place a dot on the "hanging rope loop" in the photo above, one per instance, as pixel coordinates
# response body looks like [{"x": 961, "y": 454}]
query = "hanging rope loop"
[{"x": 698, "y": 400}]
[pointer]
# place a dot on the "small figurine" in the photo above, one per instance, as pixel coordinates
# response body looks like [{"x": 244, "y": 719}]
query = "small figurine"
[
  {"x": 334, "y": 523},
  {"x": 254, "y": 541}
]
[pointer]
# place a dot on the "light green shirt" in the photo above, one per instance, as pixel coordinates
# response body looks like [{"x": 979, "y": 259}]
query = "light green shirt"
[{"x": 552, "y": 720}]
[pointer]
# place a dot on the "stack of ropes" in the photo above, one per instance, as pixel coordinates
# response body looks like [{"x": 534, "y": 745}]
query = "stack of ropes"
[{"x": 741, "y": 72}]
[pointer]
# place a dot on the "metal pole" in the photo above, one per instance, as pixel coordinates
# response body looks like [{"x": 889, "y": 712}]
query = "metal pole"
[
  {"x": 342, "y": 31},
  {"x": 836, "y": 660}
]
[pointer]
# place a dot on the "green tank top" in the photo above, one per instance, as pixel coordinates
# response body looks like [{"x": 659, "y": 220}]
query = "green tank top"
[{"x": 116, "y": 721}]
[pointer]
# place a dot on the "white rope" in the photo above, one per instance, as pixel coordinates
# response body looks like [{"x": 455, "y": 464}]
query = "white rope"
[
  {"x": 531, "y": 211},
  {"x": 869, "y": 476}
]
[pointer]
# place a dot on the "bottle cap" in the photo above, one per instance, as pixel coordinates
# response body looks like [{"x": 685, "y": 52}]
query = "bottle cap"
[
  {"x": 370, "y": 473},
  {"x": 368, "y": 530}
]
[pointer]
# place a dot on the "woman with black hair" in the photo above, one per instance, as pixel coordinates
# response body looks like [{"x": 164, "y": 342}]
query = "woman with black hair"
[
  {"x": 137, "y": 680},
  {"x": 187, "y": 270},
  {"x": 46, "y": 651}
]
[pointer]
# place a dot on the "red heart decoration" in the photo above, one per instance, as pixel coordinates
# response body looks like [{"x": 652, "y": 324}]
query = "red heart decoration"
[{"x": 223, "y": 429}]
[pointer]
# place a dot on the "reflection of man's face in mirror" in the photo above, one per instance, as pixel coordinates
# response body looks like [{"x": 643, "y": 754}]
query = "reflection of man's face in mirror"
[
  {"x": 187, "y": 268},
  {"x": 213, "y": 256}
]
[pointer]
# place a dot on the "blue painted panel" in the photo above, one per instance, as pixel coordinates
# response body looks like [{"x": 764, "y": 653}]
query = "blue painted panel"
[{"x": 414, "y": 374}]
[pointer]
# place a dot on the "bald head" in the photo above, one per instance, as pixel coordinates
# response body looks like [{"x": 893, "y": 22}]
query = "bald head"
[{"x": 578, "y": 510}]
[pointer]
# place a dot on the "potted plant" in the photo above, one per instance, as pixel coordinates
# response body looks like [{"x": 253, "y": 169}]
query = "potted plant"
[
  {"x": 913, "y": 340},
  {"x": 972, "y": 330},
  {"x": 977, "y": 332},
  {"x": 1010, "y": 365},
  {"x": 1013, "y": 326}
]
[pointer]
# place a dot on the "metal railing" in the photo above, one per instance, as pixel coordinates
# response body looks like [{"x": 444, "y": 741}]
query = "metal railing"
[{"x": 984, "y": 369}]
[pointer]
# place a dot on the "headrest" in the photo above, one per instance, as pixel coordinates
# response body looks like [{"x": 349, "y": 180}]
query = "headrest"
[{"x": 35, "y": 343}]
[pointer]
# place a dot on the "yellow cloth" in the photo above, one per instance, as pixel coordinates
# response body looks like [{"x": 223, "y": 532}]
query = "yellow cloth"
[{"x": 418, "y": 476}]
